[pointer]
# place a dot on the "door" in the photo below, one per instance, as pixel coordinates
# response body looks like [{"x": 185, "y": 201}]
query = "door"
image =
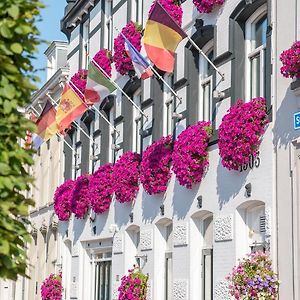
[{"x": 102, "y": 280}]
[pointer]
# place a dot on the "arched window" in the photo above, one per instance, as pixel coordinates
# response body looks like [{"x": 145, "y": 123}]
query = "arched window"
[{"x": 256, "y": 41}]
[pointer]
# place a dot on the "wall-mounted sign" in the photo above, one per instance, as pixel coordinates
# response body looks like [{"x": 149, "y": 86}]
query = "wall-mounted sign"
[
  {"x": 253, "y": 162},
  {"x": 297, "y": 120}
]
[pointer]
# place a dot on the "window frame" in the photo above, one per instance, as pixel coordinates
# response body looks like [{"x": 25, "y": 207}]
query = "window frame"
[{"x": 252, "y": 53}]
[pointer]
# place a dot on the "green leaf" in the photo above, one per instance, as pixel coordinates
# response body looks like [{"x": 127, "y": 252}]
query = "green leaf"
[
  {"x": 4, "y": 169},
  {"x": 16, "y": 48},
  {"x": 4, "y": 247},
  {"x": 5, "y": 31},
  {"x": 14, "y": 11},
  {"x": 8, "y": 91}
]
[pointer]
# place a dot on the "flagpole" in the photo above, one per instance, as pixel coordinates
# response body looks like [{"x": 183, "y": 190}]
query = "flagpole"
[
  {"x": 154, "y": 71},
  {"x": 76, "y": 124},
  {"x": 32, "y": 107},
  {"x": 95, "y": 108},
  {"x": 206, "y": 57},
  {"x": 119, "y": 88}
]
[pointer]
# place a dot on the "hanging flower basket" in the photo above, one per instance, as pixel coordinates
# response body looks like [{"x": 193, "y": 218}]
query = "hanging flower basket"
[
  {"x": 253, "y": 278},
  {"x": 133, "y": 285},
  {"x": 79, "y": 81},
  {"x": 101, "y": 189},
  {"x": 173, "y": 8},
  {"x": 123, "y": 62},
  {"x": 62, "y": 200},
  {"x": 155, "y": 166},
  {"x": 104, "y": 59},
  {"x": 207, "y": 6},
  {"x": 190, "y": 156},
  {"x": 51, "y": 288},
  {"x": 291, "y": 61},
  {"x": 126, "y": 177},
  {"x": 240, "y": 132},
  {"x": 80, "y": 202}
]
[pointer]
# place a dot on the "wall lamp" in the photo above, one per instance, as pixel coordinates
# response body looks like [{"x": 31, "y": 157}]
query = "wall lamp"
[
  {"x": 177, "y": 116},
  {"x": 199, "y": 201},
  {"x": 248, "y": 188},
  {"x": 140, "y": 258},
  {"x": 131, "y": 217},
  {"x": 162, "y": 210}
]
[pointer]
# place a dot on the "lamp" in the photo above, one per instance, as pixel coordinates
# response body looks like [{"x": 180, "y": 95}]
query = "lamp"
[
  {"x": 162, "y": 210},
  {"x": 138, "y": 259},
  {"x": 248, "y": 188},
  {"x": 199, "y": 200},
  {"x": 131, "y": 217}
]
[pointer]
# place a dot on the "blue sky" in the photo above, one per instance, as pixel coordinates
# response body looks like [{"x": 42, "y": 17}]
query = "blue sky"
[{"x": 50, "y": 30}]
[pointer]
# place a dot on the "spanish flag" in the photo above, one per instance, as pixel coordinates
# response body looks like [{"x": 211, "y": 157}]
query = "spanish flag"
[
  {"x": 46, "y": 123},
  {"x": 161, "y": 38},
  {"x": 69, "y": 108}
]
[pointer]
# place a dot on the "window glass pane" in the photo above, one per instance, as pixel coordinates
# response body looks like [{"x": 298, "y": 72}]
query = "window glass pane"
[
  {"x": 255, "y": 76},
  {"x": 206, "y": 90},
  {"x": 261, "y": 32},
  {"x": 209, "y": 67},
  {"x": 207, "y": 277}
]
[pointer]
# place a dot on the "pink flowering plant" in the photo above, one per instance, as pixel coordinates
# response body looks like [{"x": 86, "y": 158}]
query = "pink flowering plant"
[
  {"x": 51, "y": 288},
  {"x": 207, "y": 6},
  {"x": 173, "y": 8},
  {"x": 62, "y": 200},
  {"x": 156, "y": 164},
  {"x": 291, "y": 61},
  {"x": 190, "y": 155},
  {"x": 133, "y": 286},
  {"x": 79, "y": 81},
  {"x": 104, "y": 59},
  {"x": 132, "y": 32},
  {"x": 240, "y": 132},
  {"x": 101, "y": 189},
  {"x": 80, "y": 202},
  {"x": 254, "y": 278},
  {"x": 126, "y": 177}
]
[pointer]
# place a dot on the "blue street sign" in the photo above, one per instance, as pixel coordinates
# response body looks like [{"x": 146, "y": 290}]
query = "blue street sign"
[{"x": 297, "y": 120}]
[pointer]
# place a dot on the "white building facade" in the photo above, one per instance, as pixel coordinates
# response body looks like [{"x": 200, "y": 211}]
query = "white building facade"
[{"x": 186, "y": 240}]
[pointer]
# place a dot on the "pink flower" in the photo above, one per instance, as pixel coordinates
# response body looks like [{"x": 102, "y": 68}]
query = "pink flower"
[
  {"x": 133, "y": 286},
  {"x": 122, "y": 61},
  {"x": 291, "y": 61},
  {"x": 79, "y": 80},
  {"x": 126, "y": 177},
  {"x": 240, "y": 132},
  {"x": 155, "y": 166},
  {"x": 190, "y": 156},
  {"x": 62, "y": 200},
  {"x": 207, "y": 6},
  {"x": 51, "y": 288},
  {"x": 104, "y": 59},
  {"x": 80, "y": 202},
  {"x": 101, "y": 189}
]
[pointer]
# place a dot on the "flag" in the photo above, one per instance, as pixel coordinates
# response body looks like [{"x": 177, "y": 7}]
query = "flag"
[
  {"x": 141, "y": 66},
  {"x": 46, "y": 123},
  {"x": 98, "y": 85},
  {"x": 161, "y": 38},
  {"x": 37, "y": 141},
  {"x": 69, "y": 108}
]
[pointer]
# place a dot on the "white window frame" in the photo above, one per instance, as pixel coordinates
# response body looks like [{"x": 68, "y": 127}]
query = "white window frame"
[
  {"x": 136, "y": 137},
  {"x": 205, "y": 109},
  {"x": 252, "y": 53},
  {"x": 85, "y": 44},
  {"x": 137, "y": 7},
  {"x": 108, "y": 29}
]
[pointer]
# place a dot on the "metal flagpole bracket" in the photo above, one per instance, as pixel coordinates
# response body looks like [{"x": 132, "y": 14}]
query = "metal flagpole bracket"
[{"x": 207, "y": 58}]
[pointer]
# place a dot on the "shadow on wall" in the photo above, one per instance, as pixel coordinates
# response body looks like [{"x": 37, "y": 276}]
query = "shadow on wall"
[
  {"x": 122, "y": 212},
  {"x": 151, "y": 206},
  {"x": 78, "y": 226},
  {"x": 229, "y": 183},
  {"x": 183, "y": 199},
  {"x": 283, "y": 130},
  {"x": 100, "y": 222}
]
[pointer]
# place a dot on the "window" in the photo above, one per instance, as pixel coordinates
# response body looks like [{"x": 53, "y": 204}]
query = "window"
[
  {"x": 206, "y": 81},
  {"x": 85, "y": 44},
  {"x": 76, "y": 159},
  {"x": 108, "y": 32},
  {"x": 169, "y": 101},
  {"x": 256, "y": 38},
  {"x": 137, "y": 7},
  {"x": 147, "y": 126},
  {"x": 136, "y": 136},
  {"x": 168, "y": 262},
  {"x": 102, "y": 289}
]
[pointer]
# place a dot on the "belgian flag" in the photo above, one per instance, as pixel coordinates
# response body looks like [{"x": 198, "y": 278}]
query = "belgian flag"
[{"x": 161, "y": 38}]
